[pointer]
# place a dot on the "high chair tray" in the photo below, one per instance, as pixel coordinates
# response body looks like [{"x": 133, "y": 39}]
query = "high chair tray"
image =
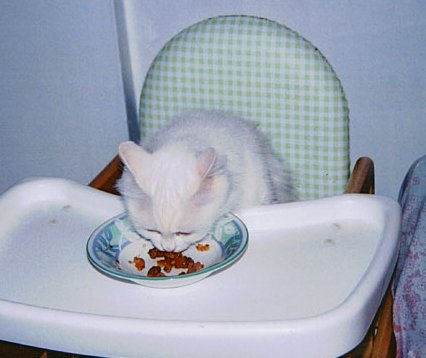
[{"x": 309, "y": 283}]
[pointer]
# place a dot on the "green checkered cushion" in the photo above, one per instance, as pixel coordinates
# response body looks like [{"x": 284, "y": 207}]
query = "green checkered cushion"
[{"x": 267, "y": 73}]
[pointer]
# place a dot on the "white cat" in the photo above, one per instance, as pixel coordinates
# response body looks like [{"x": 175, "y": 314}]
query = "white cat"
[{"x": 200, "y": 167}]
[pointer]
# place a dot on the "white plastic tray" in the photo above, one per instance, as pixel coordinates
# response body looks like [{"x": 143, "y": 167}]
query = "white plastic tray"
[{"x": 309, "y": 284}]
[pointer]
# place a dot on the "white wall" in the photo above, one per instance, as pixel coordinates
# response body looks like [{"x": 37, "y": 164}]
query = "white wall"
[
  {"x": 377, "y": 48},
  {"x": 62, "y": 107}
]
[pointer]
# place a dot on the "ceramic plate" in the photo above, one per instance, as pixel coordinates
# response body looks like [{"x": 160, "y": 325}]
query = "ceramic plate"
[{"x": 113, "y": 246}]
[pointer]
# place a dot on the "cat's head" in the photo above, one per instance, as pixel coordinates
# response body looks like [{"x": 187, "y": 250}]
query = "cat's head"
[{"x": 172, "y": 196}]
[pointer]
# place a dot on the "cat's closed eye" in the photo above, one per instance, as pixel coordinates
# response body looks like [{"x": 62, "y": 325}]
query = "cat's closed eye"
[
  {"x": 153, "y": 231},
  {"x": 180, "y": 233}
]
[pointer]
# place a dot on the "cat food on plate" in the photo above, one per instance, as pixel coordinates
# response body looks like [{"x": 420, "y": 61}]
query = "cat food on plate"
[
  {"x": 166, "y": 261},
  {"x": 201, "y": 247},
  {"x": 138, "y": 262},
  {"x": 155, "y": 271}
]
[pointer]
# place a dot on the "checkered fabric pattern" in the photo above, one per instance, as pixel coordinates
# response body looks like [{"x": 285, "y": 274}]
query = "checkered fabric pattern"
[{"x": 266, "y": 73}]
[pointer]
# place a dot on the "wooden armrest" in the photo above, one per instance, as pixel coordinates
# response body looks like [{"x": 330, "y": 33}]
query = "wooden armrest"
[
  {"x": 106, "y": 180},
  {"x": 362, "y": 177}
]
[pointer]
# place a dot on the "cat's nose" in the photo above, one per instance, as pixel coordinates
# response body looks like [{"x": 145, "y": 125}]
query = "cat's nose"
[{"x": 168, "y": 244}]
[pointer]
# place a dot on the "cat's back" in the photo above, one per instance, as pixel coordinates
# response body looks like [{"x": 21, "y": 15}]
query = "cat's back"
[
  {"x": 208, "y": 128},
  {"x": 244, "y": 154}
]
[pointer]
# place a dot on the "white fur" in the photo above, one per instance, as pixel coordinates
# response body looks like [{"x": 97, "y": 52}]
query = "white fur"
[{"x": 203, "y": 165}]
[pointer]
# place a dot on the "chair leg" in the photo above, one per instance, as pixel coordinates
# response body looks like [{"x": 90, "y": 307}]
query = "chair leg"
[
  {"x": 384, "y": 344},
  {"x": 379, "y": 341}
]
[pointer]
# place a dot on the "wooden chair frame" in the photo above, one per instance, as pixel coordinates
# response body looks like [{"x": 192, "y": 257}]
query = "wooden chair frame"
[
  {"x": 379, "y": 341},
  {"x": 361, "y": 180}
]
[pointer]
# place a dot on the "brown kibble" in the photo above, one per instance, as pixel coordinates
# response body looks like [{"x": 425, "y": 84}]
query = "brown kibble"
[
  {"x": 180, "y": 262},
  {"x": 201, "y": 247},
  {"x": 170, "y": 260},
  {"x": 199, "y": 266},
  {"x": 155, "y": 271},
  {"x": 153, "y": 253},
  {"x": 194, "y": 267},
  {"x": 161, "y": 263},
  {"x": 139, "y": 263},
  {"x": 170, "y": 255}
]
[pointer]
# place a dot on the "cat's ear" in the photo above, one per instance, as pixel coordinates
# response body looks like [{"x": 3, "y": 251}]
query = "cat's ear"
[
  {"x": 135, "y": 158},
  {"x": 205, "y": 162},
  {"x": 208, "y": 166}
]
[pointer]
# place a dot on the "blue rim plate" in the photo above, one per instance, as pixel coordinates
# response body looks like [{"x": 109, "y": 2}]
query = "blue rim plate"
[{"x": 113, "y": 245}]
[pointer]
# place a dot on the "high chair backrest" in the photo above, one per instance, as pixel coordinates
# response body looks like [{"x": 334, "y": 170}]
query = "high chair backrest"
[{"x": 266, "y": 73}]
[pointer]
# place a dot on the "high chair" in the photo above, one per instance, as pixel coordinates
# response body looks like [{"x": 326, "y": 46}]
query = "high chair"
[
  {"x": 272, "y": 76},
  {"x": 268, "y": 74}
]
